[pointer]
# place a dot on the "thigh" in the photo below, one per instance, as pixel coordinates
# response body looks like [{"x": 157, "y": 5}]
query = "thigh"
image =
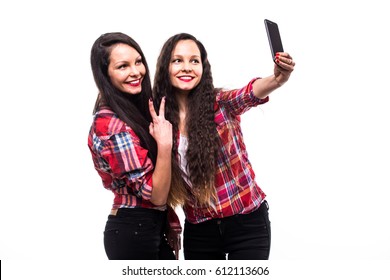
[
  {"x": 248, "y": 236},
  {"x": 202, "y": 241},
  {"x": 132, "y": 238}
]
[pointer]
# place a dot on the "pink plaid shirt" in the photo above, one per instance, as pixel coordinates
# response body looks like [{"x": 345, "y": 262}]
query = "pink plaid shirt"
[{"x": 237, "y": 190}]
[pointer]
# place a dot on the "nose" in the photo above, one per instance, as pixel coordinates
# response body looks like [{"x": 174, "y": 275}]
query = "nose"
[
  {"x": 186, "y": 67},
  {"x": 134, "y": 71}
]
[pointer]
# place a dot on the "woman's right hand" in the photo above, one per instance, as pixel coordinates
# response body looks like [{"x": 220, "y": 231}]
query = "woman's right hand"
[{"x": 160, "y": 128}]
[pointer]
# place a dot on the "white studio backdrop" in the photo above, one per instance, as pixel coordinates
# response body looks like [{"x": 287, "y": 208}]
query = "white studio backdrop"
[{"x": 319, "y": 147}]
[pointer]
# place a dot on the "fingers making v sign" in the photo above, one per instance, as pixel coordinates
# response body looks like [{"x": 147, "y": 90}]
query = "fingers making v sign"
[{"x": 160, "y": 128}]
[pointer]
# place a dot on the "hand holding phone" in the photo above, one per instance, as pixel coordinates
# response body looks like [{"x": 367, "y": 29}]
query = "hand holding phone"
[{"x": 275, "y": 42}]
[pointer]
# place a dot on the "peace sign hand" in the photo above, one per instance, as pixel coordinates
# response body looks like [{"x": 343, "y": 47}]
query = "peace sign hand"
[{"x": 160, "y": 128}]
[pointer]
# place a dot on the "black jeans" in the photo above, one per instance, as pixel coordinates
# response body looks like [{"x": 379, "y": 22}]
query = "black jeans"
[
  {"x": 137, "y": 234},
  {"x": 239, "y": 237}
]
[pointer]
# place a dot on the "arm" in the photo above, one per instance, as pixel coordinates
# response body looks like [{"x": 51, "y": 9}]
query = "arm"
[
  {"x": 161, "y": 176},
  {"x": 284, "y": 65},
  {"x": 120, "y": 160},
  {"x": 161, "y": 130},
  {"x": 122, "y": 163}
]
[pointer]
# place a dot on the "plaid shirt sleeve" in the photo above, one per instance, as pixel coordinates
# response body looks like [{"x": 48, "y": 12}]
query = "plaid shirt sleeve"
[
  {"x": 120, "y": 160},
  {"x": 239, "y": 101}
]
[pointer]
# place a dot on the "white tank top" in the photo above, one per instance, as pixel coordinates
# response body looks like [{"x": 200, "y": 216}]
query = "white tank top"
[{"x": 182, "y": 149}]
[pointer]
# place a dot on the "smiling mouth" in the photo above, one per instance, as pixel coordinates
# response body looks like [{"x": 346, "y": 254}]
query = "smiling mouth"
[
  {"x": 185, "y": 78},
  {"x": 135, "y": 83}
]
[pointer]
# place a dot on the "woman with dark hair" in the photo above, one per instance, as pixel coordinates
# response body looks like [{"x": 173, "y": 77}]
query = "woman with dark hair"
[
  {"x": 225, "y": 209},
  {"x": 131, "y": 150}
]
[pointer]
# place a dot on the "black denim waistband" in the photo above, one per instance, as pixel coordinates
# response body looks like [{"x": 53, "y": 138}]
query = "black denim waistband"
[{"x": 129, "y": 212}]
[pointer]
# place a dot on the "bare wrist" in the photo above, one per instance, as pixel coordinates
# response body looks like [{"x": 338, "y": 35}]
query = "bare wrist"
[{"x": 277, "y": 82}]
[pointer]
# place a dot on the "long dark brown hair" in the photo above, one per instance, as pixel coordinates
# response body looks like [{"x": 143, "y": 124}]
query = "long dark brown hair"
[
  {"x": 203, "y": 138},
  {"x": 132, "y": 109}
]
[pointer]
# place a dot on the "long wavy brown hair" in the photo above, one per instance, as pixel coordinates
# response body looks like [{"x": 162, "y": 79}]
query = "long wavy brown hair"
[{"x": 203, "y": 138}]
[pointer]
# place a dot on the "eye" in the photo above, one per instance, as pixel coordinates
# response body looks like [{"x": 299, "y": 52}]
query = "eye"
[
  {"x": 195, "y": 61},
  {"x": 138, "y": 62},
  {"x": 122, "y": 66},
  {"x": 176, "y": 60}
]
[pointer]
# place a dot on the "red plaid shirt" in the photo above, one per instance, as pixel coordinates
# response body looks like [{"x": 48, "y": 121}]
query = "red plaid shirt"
[
  {"x": 121, "y": 162},
  {"x": 125, "y": 167},
  {"x": 237, "y": 190}
]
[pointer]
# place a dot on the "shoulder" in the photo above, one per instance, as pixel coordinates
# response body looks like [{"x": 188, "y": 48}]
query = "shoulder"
[{"x": 107, "y": 123}]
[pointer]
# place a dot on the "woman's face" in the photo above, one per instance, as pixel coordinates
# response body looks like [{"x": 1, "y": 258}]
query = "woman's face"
[
  {"x": 185, "y": 68},
  {"x": 126, "y": 69}
]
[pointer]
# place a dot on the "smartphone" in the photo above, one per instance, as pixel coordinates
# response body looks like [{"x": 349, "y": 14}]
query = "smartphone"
[{"x": 275, "y": 42}]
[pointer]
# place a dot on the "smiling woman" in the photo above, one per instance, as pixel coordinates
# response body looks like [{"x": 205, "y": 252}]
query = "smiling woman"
[
  {"x": 131, "y": 150},
  {"x": 226, "y": 214}
]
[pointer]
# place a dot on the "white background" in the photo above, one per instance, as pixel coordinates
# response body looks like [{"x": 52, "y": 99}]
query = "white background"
[{"x": 320, "y": 147}]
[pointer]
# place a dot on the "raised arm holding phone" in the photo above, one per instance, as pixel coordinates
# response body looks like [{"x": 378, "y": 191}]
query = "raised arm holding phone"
[{"x": 226, "y": 214}]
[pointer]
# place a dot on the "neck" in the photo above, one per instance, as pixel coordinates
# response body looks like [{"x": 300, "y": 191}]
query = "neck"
[{"x": 182, "y": 101}]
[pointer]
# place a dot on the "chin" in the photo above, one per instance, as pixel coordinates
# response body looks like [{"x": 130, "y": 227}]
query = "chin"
[{"x": 134, "y": 92}]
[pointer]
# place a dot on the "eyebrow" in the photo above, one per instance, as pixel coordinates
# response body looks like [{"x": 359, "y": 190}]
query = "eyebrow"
[
  {"x": 120, "y": 62},
  {"x": 126, "y": 61},
  {"x": 192, "y": 56}
]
